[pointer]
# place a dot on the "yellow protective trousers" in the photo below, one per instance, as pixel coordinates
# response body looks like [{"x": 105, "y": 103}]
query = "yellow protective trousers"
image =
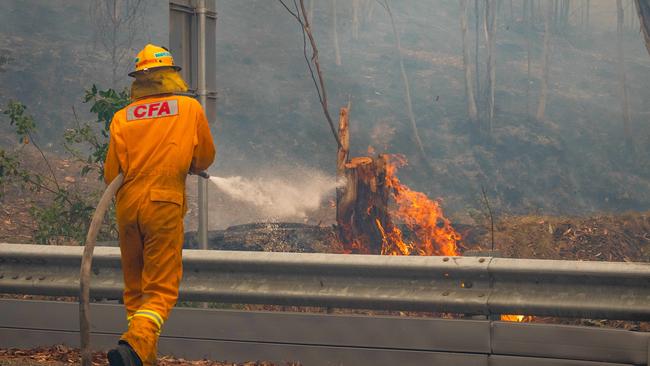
[
  {"x": 151, "y": 241},
  {"x": 155, "y": 142}
]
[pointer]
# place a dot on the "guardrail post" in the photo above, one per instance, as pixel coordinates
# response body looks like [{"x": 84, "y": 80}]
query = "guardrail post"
[{"x": 495, "y": 253}]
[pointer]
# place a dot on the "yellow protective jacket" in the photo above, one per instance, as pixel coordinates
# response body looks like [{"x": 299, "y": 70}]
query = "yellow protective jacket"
[{"x": 156, "y": 141}]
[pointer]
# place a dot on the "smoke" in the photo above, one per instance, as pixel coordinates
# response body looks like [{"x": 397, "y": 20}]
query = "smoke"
[{"x": 279, "y": 198}]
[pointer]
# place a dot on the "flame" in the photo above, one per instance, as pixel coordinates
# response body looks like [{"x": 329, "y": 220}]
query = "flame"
[
  {"x": 516, "y": 318},
  {"x": 433, "y": 232}
]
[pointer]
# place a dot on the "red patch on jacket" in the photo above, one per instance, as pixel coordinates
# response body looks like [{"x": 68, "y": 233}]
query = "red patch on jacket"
[{"x": 163, "y": 108}]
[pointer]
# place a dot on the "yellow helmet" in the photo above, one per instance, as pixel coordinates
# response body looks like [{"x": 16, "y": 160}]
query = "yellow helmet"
[{"x": 151, "y": 57}]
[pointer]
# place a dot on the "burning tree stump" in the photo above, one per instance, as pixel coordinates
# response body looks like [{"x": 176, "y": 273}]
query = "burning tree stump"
[
  {"x": 362, "y": 205},
  {"x": 362, "y": 212},
  {"x": 364, "y": 223}
]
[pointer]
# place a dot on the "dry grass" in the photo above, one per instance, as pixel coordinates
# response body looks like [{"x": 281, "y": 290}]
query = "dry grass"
[{"x": 618, "y": 238}]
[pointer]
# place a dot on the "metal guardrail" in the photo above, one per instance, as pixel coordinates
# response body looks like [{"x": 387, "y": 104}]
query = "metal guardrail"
[{"x": 474, "y": 285}]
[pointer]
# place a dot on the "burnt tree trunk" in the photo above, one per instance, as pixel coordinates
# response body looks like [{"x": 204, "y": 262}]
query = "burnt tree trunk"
[
  {"x": 342, "y": 158},
  {"x": 362, "y": 205}
]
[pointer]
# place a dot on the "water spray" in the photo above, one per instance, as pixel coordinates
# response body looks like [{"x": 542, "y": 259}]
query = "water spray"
[{"x": 279, "y": 198}]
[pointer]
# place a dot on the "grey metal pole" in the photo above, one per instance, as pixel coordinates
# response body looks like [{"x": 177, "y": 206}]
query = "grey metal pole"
[{"x": 202, "y": 94}]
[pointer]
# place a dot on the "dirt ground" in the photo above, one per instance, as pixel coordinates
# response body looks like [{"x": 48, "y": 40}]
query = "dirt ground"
[
  {"x": 63, "y": 356},
  {"x": 612, "y": 237}
]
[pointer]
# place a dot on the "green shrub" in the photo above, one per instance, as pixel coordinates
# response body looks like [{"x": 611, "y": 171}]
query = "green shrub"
[{"x": 66, "y": 217}]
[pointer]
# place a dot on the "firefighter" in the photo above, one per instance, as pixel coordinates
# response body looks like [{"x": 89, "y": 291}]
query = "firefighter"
[{"x": 154, "y": 142}]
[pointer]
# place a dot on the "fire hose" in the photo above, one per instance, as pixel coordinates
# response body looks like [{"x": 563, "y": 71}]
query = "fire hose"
[{"x": 86, "y": 265}]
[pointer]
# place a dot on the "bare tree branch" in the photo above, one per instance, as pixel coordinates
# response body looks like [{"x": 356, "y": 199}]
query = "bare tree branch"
[
  {"x": 117, "y": 22},
  {"x": 301, "y": 16},
  {"x": 487, "y": 205}
]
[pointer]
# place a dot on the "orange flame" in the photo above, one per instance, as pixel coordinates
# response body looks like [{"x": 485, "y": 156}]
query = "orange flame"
[
  {"x": 433, "y": 232},
  {"x": 516, "y": 318}
]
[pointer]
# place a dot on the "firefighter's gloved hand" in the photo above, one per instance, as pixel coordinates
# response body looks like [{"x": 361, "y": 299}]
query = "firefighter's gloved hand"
[{"x": 202, "y": 174}]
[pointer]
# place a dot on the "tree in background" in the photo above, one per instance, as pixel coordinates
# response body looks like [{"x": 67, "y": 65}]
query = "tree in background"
[
  {"x": 4, "y": 60},
  {"x": 543, "y": 94},
  {"x": 117, "y": 24},
  {"x": 561, "y": 11},
  {"x": 477, "y": 40},
  {"x": 625, "y": 105},
  {"x": 355, "y": 19},
  {"x": 335, "y": 35},
  {"x": 528, "y": 22},
  {"x": 469, "y": 81},
  {"x": 643, "y": 9},
  {"x": 490, "y": 28},
  {"x": 407, "y": 88}
]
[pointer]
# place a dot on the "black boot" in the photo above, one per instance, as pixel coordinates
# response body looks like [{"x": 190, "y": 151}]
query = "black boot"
[{"x": 123, "y": 355}]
